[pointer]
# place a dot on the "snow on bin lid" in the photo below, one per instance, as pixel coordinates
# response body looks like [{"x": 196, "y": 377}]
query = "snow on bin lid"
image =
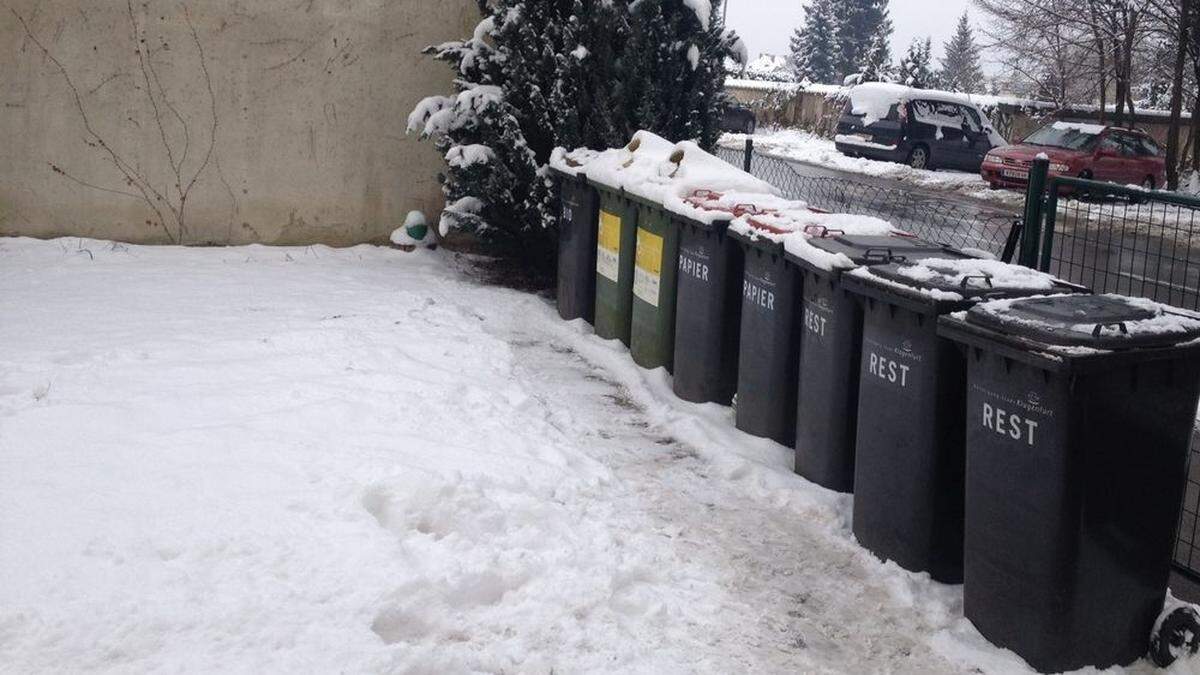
[
  {"x": 952, "y": 276},
  {"x": 865, "y": 249},
  {"x": 1096, "y": 321},
  {"x": 656, "y": 170},
  {"x": 794, "y": 228}
]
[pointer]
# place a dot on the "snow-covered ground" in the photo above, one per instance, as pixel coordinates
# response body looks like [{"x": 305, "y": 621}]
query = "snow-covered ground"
[
  {"x": 361, "y": 460},
  {"x": 803, "y": 146}
]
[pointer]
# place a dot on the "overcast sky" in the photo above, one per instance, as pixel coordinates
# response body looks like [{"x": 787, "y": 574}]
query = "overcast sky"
[{"x": 767, "y": 25}]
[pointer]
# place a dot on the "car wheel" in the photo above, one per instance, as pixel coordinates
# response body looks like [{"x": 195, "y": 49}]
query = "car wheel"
[
  {"x": 1148, "y": 183},
  {"x": 751, "y": 127},
  {"x": 918, "y": 157}
]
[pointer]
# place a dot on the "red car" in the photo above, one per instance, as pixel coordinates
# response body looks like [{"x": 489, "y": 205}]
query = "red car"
[{"x": 1105, "y": 153}]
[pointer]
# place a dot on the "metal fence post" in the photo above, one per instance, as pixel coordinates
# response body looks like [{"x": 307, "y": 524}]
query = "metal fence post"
[
  {"x": 1050, "y": 215},
  {"x": 1032, "y": 232},
  {"x": 746, "y": 159}
]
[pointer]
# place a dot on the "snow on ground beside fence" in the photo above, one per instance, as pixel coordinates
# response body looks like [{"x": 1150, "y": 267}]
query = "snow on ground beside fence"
[
  {"x": 313, "y": 460},
  {"x": 809, "y": 148}
]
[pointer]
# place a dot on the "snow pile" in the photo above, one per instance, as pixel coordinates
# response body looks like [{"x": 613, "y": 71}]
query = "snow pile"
[
  {"x": 792, "y": 227},
  {"x": 655, "y": 169}
]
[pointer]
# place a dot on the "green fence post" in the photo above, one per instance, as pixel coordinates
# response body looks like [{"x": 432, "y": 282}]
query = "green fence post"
[
  {"x": 749, "y": 155},
  {"x": 1051, "y": 217},
  {"x": 1032, "y": 232}
]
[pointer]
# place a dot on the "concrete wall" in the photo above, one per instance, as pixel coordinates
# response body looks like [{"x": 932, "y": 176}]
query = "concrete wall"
[{"x": 305, "y": 120}]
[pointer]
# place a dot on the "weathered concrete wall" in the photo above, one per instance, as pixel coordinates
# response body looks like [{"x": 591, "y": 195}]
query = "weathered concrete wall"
[{"x": 276, "y": 121}]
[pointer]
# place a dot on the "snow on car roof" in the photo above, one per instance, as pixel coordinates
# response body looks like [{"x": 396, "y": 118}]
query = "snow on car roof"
[{"x": 1093, "y": 129}]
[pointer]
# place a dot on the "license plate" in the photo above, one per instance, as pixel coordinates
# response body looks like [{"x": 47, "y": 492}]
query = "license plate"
[
  {"x": 1014, "y": 173},
  {"x": 864, "y": 137}
]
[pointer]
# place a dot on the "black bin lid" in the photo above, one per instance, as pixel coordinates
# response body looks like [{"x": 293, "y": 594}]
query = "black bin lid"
[
  {"x": 985, "y": 278},
  {"x": 1097, "y": 321},
  {"x": 865, "y": 249}
]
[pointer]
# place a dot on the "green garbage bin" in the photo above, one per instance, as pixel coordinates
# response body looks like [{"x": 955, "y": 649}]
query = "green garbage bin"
[
  {"x": 652, "y": 339},
  {"x": 616, "y": 238}
]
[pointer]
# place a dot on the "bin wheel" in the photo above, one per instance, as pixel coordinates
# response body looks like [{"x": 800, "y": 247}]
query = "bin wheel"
[{"x": 1179, "y": 635}]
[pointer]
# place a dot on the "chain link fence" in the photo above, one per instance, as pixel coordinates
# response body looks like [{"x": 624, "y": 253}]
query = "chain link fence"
[
  {"x": 1130, "y": 241},
  {"x": 1124, "y": 240},
  {"x": 935, "y": 219}
]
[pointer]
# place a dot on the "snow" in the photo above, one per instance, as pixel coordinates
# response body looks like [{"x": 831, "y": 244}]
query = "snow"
[
  {"x": 809, "y": 148},
  {"x": 1001, "y": 275},
  {"x": 456, "y": 209},
  {"x": 702, "y": 9},
  {"x": 1091, "y": 129},
  {"x": 847, "y": 139},
  {"x": 693, "y": 56},
  {"x": 305, "y": 459},
  {"x": 400, "y": 235},
  {"x": 580, "y": 52},
  {"x": 1166, "y": 320},
  {"x": 655, "y": 169},
  {"x": 463, "y": 156}
]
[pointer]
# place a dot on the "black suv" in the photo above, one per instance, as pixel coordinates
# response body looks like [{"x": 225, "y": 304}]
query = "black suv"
[{"x": 922, "y": 128}]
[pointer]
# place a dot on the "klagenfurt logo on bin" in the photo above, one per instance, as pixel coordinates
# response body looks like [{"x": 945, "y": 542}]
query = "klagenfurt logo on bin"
[{"x": 1018, "y": 418}]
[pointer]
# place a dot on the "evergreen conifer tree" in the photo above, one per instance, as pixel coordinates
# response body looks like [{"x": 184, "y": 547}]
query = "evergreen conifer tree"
[
  {"x": 858, "y": 23},
  {"x": 877, "y": 63},
  {"x": 915, "y": 68},
  {"x": 960, "y": 64},
  {"x": 815, "y": 49},
  {"x": 539, "y": 74}
]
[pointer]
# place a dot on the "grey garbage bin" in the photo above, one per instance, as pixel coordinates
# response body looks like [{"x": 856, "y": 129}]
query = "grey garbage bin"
[
  {"x": 1079, "y": 412},
  {"x": 908, "y": 474}
]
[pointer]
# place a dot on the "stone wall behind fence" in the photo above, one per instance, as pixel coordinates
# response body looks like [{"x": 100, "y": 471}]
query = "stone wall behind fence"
[{"x": 230, "y": 121}]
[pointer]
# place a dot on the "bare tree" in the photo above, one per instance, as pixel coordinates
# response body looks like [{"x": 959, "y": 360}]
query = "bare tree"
[
  {"x": 1109, "y": 32},
  {"x": 166, "y": 196}
]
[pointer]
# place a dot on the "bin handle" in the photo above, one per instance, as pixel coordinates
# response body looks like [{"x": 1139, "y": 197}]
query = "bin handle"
[
  {"x": 966, "y": 281},
  {"x": 1101, "y": 326},
  {"x": 822, "y": 232},
  {"x": 747, "y": 208},
  {"x": 881, "y": 255},
  {"x": 705, "y": 194}
]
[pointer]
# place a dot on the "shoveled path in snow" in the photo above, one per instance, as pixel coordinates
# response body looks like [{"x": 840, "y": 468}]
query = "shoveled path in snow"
[{"x": 268, "y": 460}]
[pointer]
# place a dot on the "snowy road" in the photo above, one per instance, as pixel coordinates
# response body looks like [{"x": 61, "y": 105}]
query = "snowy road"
[{"x": 307, "y": 460}]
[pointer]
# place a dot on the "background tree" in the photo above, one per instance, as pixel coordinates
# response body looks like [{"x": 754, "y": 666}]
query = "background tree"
[
  {"x": 815, "y": 50},
  {"x": 877, "y": 64},
  {"x": 915, "y": 68},
  {"x": 859, "y": 22},
  {"x": 960, "y": 62}
]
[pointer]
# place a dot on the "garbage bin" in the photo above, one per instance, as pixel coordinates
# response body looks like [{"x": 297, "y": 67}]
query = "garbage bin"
[
  {"x": 1079, "y": 411},
  {"x": 830, "y": 342},
  {"x": 615, "y": 241},
  {"x": 768, "y": 348},
  {"x": 908, "y": 474},
  {"x": 577, "y": 247},
  {"x": 707, "y": 311},
  {"x": 652, "y": 338}
]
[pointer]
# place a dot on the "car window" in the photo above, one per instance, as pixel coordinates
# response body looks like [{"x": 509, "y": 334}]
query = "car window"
[
  {"x": 1111, "y": 144},
  {"x": 972, "y": 117},
  {"x": 1130, "y": 145},
  {"x": 1066, "y": 135},
  {"x": 1149, "y": 147}
]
